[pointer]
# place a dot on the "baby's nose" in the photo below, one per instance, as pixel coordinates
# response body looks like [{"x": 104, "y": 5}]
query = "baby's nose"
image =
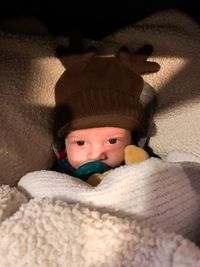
[{"x": 97, "y": 153}]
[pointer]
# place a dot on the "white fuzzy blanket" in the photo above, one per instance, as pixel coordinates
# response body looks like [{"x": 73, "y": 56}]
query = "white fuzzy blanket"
[
  {"x": 45, "y": 232},
  {"x": 110, "y": 225}
]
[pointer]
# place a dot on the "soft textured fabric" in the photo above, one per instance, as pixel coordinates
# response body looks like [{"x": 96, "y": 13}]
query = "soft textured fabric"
[
  {"x": 46, "y": 232},
  {"x": 28, "y": 72}
]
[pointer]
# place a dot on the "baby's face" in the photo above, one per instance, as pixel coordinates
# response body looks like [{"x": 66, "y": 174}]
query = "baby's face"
[{"x": 105, "y": 144}]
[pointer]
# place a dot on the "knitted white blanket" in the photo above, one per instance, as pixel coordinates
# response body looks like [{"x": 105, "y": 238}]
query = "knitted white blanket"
[{"x": 113, "y": 229}]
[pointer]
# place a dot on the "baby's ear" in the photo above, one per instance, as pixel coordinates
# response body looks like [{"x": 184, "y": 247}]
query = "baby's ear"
[{"x": 137, "y": 62}]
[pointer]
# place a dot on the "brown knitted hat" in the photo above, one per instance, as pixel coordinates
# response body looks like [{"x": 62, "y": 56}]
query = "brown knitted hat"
[{"x": 97, "y": 91}]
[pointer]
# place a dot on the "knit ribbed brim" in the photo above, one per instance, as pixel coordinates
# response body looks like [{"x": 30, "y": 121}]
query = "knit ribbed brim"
[{"x": 107, "y": 120}]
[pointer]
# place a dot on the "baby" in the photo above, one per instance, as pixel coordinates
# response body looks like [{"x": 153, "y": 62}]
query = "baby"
[{"x": 98, "y": 110}]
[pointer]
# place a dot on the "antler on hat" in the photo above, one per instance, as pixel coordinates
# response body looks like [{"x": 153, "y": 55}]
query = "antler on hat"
[{"x": 137, "y": 62}]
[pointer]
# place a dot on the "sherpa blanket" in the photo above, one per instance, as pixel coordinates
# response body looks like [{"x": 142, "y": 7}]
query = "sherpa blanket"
[{"x": 49, "y": 220}]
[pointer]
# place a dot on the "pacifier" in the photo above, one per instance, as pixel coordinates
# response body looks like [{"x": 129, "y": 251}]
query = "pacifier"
[{"x": 89, "y": 168}]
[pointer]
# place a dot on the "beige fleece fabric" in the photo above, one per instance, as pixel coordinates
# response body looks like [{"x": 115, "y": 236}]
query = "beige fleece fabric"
[{"x": 28, "y": 73}]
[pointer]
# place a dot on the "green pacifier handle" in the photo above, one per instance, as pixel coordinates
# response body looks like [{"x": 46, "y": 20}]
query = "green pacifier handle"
[{"x": 90, "y": 168}]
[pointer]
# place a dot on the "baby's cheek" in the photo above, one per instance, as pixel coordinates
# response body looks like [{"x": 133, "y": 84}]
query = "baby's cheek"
[
  {"x": 74, "y": 161},
  {"x": 71, "y": 156},
  {"x": 77, "y": 158},
  {"x": 116, "y": 157}
]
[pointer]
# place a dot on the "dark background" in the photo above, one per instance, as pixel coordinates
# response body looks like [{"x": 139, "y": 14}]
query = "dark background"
[{"x": 96, "y": 19}]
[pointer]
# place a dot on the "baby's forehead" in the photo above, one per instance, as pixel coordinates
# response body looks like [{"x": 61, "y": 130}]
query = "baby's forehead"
[{"x": 100, "y": 131}]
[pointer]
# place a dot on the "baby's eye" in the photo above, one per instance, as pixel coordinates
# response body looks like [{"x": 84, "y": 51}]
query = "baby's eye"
[
  {"x": 112, "y": 141},
  {"x": 80, "y": 142}
]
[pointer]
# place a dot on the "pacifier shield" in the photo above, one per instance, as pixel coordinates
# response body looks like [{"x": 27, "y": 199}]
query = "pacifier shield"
[{"x": 90, "y": 168}]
